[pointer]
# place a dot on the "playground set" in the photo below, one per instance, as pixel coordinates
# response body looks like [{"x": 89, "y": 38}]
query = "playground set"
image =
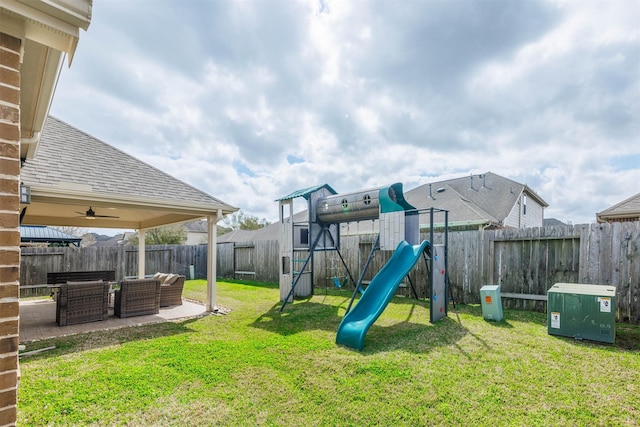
[{"x": 399, "y": 231}]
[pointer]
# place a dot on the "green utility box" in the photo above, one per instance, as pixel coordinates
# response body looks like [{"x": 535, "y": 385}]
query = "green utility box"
[
  {"x": 582, "y": 311},
  {"x": 491, "y": 302}
]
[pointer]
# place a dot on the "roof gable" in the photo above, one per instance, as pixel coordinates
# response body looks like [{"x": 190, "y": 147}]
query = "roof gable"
[{"x": 627, "y": 208}]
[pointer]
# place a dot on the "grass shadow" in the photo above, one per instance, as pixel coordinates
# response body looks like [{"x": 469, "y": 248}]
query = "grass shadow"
[
  {"x": 406, "y": 335},
  {"x": 298, "y": 318},
  {"x": 514, "y": 315},
  {"x": 266, "y": 285},
  {"x": 105, "y": 338},
  {"x": 413, "y": 337},
  {"x": 628, "y": 337},
  {"x": 627, "y": 340},
  {"x": 504, "y": 323}
]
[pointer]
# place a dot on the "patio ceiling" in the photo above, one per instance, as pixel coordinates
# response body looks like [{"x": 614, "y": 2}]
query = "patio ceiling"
[
  {"x": 48, "y": 208},
  {"x": 74, "y": 172}
]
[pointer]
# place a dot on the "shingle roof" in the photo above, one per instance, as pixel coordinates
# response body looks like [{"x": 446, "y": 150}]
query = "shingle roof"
[
  {"x": 199, "y": 226},
  {"x": 488, "y": 197},
  {"x": 627, "y": 208},
  {"x": 552, "y": 222},
  {"x": 272, "y": 231},
  {"x": 489, "y": 201},
  {"x": 67, "y": 155}
]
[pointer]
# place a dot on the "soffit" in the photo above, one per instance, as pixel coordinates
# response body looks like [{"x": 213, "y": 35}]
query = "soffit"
[{"x": 48, "y": 30}]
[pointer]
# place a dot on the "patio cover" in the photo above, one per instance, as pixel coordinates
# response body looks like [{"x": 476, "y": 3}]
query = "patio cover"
[{"x": 74, "y": 172}]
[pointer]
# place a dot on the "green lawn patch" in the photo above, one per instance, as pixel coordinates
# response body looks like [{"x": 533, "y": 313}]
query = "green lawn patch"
[{"x": 257, "y": 366}]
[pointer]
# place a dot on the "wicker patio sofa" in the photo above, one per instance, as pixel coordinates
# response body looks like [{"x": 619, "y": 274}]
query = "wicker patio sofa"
[
  {"x": 171, "y": 286},
  {"x": 82, "y": 302},
  {"x": 137, "y": 297}
]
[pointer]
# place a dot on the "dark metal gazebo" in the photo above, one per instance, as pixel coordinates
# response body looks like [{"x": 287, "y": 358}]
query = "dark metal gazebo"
[{"x": 42, "y": 234}]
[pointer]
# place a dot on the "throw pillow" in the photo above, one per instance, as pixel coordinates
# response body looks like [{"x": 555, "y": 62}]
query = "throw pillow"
[{"x": 170, "y": 279}]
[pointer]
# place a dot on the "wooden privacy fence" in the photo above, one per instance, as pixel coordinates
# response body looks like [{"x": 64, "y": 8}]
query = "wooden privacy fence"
[
  {"x": 525, "y": 262},
  {"x": 249, "y": 260},
  {"x": 36, "y": 262}
]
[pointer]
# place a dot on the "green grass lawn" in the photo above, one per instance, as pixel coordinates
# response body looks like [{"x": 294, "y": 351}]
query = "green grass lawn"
[{"x": 257, "y": 366}]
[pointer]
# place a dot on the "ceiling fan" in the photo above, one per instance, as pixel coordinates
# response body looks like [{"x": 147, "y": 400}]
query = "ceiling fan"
[{"x": 91, "y": 214}]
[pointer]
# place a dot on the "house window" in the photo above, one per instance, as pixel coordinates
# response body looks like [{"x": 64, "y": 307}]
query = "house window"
[
  {"x": 304, "y": 236},
  {"x": 524, "y": 205}
]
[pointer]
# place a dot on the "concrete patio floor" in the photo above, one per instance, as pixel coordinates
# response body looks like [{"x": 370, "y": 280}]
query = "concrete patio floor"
[{"x": 38, "y": 319}]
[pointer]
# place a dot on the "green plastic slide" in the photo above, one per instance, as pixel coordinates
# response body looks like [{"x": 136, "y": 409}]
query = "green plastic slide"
[{"x": 374, "y": 300}]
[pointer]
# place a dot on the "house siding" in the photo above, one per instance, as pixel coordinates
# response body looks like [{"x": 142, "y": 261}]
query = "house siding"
[
  {"x": 533, "y": 218},
  {"x": 513, "y": 219},
  {"x": 196, "y": 238},
  {"x": 10, "y": 48}
]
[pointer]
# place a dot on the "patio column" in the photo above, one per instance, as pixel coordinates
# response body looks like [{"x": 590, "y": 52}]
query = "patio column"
[
  {"x": 212, "y": 240},
  {"x": 141, "y": 253},
  {"x": 10, "y": 48}
]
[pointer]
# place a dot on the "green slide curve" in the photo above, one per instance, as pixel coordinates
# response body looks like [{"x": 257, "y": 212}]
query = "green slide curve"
[{"x": 374, "y": 300}]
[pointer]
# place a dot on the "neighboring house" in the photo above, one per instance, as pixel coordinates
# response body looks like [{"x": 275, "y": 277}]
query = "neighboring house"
[
  {"x": 117, "y": 240},
  {"x": 552, "y": 222},
  {"x": 626, "y": 211},
  {"x": 474, "y": 202},
  {"x": 39, "y": 235},
  {"x": 480, "y": 201},
  {"x": 270, "y": 232},
  {"x": 237, "y": 236},
  {"x": 196, "y": 232}
]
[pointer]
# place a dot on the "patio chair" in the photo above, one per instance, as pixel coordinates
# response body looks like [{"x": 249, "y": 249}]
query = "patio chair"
[
  {"x": 82, "y": 302},
  {"x": 171, "y": 290},
  {"x": 138, "y": 297}
]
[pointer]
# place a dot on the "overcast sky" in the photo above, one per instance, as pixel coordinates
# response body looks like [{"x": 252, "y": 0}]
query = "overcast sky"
[{"x": 251, "y": 100}]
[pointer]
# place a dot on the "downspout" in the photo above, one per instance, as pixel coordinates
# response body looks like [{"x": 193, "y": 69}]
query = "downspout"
[{"x": 29, "y": 142}]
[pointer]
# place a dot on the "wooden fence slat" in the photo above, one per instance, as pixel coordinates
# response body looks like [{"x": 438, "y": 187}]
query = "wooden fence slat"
[{"x": 522, "y": 261}]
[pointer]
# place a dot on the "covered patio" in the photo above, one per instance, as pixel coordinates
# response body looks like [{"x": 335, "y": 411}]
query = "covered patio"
[{"x": 77, "y": 180}]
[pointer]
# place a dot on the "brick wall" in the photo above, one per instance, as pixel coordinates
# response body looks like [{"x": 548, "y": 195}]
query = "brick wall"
[{"x": 9, "y": 224}]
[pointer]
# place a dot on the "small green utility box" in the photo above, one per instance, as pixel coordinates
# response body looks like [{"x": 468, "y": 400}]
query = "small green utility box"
[
  {"x": 491, "y": 302},
  {"x": 582, "y": 311}
]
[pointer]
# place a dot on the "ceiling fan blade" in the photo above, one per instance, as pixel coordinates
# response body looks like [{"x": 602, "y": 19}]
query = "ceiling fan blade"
[{"x": 91, "y": 214}]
